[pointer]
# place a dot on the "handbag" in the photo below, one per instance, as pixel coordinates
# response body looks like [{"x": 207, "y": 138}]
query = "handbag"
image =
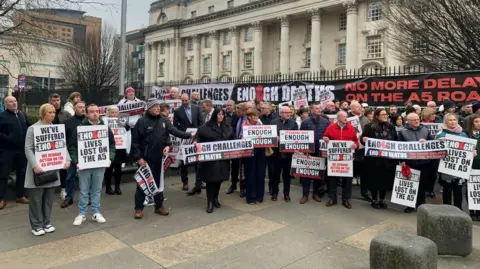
[{"x": 45, "y": 178}]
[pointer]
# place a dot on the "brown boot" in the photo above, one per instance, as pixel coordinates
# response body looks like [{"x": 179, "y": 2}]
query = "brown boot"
[
  {"x": 303, "y": 200},
  {"x": 185, "y": 187},
  {"x": 316, "y": 198},
  {"x": 22, "y": 200},
  {"x": 161, "y": 211},
  {"x": 138, "y": 214},
  {"x": 3, "y": 204},
  {"x": 66, "y": 203}
]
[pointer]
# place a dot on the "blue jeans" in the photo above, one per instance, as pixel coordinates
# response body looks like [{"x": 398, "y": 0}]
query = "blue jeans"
[
  {"x": 70, "y": 182},
  {"x": 91, "y": 181}
]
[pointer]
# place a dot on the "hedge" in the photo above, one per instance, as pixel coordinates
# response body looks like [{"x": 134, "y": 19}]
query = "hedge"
[{"x": 33, "y": 118}]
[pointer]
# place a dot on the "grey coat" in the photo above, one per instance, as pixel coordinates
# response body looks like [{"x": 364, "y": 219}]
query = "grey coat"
[{"x": 32, "y": 162}]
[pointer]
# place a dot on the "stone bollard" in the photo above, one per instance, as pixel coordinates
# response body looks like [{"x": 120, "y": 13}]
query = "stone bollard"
[
  {"x": 399, "y": 250},
  {"x": 447, "y": 226}
]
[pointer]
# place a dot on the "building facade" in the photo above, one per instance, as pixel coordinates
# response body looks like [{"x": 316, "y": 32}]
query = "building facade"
[
  {"x": 136, "y": 60},
  {"x": 215, "y": 40}
]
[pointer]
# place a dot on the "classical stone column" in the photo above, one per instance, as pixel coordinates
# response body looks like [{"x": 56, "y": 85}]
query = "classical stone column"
[
  {"x": 166, "y": 63},
  {"x": 235, "y": 52},
  {"x": 214, "y": 36},
  {"x": 258, "y": 50},
  {"x": 171, "y": 59},
  {"x": 352, "y": 20},
  {"x": 197, "y": 62},
  {"x": 284, "y": 45},
  {"x": 178, "y": 58},
  {"x": 154, "y": 64},
  {"x": 315, "y": 47},
  {"x": 147, "y": 64}
]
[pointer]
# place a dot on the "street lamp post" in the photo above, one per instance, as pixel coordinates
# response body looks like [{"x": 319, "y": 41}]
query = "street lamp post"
[{"x": 123, "y": 43}]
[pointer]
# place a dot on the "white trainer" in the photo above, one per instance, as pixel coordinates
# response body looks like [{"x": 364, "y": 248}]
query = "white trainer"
[
  {"x": 49, "y": 229},
  {"x": 98, "y": 218},
  {"x": 38, "y": 232},
  {"x": 63, "y": 194},
  {"x": 79, "y": 220}
]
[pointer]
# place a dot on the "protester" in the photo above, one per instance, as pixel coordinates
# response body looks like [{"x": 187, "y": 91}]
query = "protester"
[
  {"x": 195, "y": 98},
  {"x": 473, "y": 131},
  {"x": 90, "y": 180},
  {"x": 369, "y": 115},
  {"x": 428, "y": 116},
  {"x": 381, "y": 171},
  {"x": 398, "y": 121},
  {"x": 266, "y": 117},
  {"x": 150, "y": 142},
  {"x": 229, "y": 112},
  {"x": 41, "y": 197},
  {"x": 130, "y": 99},
  {"x": 475, "y": 110},
  {"x": 237, "y": 125},
  {"x": 73, "y": 99},
  {"x": 344, "y": 131},
  {"x": 213, "y": 173},
  {"x": 330, "y": 109},
  {"x": 174, "y": 93},
  {"x": 302, "y": 114},
  {"x": 392, "y": 110},
  {"x": 13, "y": 128}
]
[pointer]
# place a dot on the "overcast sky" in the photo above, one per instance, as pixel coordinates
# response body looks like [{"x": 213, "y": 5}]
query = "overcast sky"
[{"x": 137, "y": 12}]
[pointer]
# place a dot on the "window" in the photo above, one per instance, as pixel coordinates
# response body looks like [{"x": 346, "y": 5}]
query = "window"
[
  {"x": 193, "y": 14},
  {"x": 189, "y": 66},
  {"x": 162, "y": 48},
  {"x": 374, "y": 46},
  {"x": 227, "y": 38},
  {"x": 342, "y": 53},
  {"x": 161, "y": 69},
  {"x": 69, "y": 30},
  {"x": 190, "y": 44},
  {"x": 230, "y": 4},
  {"x": 374, "y": 11},
  {"x": 207, "y": 65},
  {"x": 419, "y": 46},
  {"x": 248, "y": 60},
  {"x": 308, "y": 36},
  {"x": 208, "y": 42},
  {"x": 308, "y": 57},
  {"x": 226, "y": 63},
  {"x": 248, "y": 34},
  {"x": 343, "y": 21},
  {"x": 211, "y": 9}
]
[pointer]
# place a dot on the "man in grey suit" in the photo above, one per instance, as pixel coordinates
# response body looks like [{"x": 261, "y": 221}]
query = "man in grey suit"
[
  {"x": 188, "y": 116},
  {"x": 207, "y": 108}
]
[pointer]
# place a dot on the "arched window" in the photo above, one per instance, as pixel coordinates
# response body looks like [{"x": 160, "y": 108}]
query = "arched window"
[
  {"x": 205, "y": 79},
  {"x": 225, "y": 79}
]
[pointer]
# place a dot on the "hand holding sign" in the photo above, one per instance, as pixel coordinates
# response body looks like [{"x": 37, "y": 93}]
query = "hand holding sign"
[
  {"x": 422, "y": 140},
  {"x": 66, "y": 165},
  {"x": 141, "y": 162},
  {"x": 354, "y": 146},
  {"x": 326, "y": 139},
  {"x": 166, "y": 150}
]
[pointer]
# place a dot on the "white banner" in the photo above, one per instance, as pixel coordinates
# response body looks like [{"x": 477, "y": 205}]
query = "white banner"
[
  {"x": 405, "y": 190},
  {"x": 293, "y": 141},
  {"x": 415, "y": 150},
  {"x": 474, "y": 190},
  {"x": 117, "y": 125},
  {"x": 263, "y": 136},
  {"x": 433, "y": 128},
  {"x": 93, "y": 146},
  {"x": 340, "y": 158},
  {"x": 458, "y": 162},
  {"x": 145, "y": 180},
  {"x": 219, "y": 150},
  {"x": 218, "y": 93},
  {"x": 307, "y": 166},
  {"x": 50, "y": 146}
]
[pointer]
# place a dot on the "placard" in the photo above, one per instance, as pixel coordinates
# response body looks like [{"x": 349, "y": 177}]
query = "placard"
[
  {"x": 293, "y": 141},
  {"x": 307, "y": 166},
  {"x": 458, "y": 162},
  {"x": 405, "y": 190},
  {"x": 219, "y": 150},
  {"x": 93, "y": 146},
  {"x": 263, "y": 136},
  {"x": 117, "y": 125},
  {"x": 323, "y": 148},
  {"x": 144, "y": 178},
  {"x": 473, "y": 188},
  {"x": 415, "y": 150},
  {"x": 340, "y": 158},
  {"x": 433, "y": 128},
  {"x": 50, "y": 146},
  {"x": 297, "y": 104}
]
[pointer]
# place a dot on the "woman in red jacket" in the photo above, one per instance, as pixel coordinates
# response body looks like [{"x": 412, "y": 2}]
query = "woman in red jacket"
[{"x": 341, "y": 130}]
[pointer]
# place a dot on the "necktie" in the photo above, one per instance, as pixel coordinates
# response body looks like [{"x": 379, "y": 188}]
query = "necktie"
[{"x": 189, "y": 113}]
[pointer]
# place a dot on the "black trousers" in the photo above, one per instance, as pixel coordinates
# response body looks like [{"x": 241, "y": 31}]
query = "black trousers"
[
  {"x": 346, "y": 188},
  {"x": 116, "y": 171},
  {"x": 236, "y": 174},
  {"x": 456, "y": 189},
  {"x": 270, "y": 166},
  {"x": 212, "y": 188},
  {"x": 254, "y": 168},
  {"x": 184, "y": 175},
  {"x": 156, "y": 167},
  {"x": 12, "y": 159},
  {"x": 282, "y": 166}
]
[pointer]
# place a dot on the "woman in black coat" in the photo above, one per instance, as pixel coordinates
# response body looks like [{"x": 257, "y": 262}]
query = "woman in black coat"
[{"x": 213, "y": 173}]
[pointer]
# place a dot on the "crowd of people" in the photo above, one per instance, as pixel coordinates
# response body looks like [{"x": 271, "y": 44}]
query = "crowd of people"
[{"x": 151, "y": 140}]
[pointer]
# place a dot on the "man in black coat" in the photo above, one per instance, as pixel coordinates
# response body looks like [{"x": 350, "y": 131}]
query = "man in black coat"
[
  {"x": 13, "y": 129},
  {"x": 282, "y": 161},
  {"x": 266, "y": 118},
  {"x": 188, "y": 116},
  {"x": 230, "y": 115}
]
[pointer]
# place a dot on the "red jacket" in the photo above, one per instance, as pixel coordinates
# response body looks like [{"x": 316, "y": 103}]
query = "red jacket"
[{"x": 348, "y": 133}]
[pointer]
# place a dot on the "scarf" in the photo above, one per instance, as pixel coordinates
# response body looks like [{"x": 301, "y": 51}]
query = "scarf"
[{"x": 456, "y": 130}]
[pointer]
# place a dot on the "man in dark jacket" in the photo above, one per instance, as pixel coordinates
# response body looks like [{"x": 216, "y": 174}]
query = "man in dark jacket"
[
  {"x": 266, "y": 117},
  {"x": 318, "y": 123},
  {"x": 282, "y": 161},
  {"x": 70, "y": 127},
  {"x": 91, "y": 179},
  {"x": 230, "y": 112},
  {"x": 150, "y": 142},
  {"x": 238, "y": 119},
  {"x": 13, "y": 129},
  {"x": 414, "y": 131}
]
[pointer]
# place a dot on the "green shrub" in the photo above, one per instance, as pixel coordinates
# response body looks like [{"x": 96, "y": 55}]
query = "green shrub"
[{"x": 33, "y": 118}]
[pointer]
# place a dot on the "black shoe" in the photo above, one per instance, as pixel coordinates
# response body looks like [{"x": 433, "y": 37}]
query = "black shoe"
[
  {"x": 409, "y": 210},
  {"x": 383, "y": 204},
  {"x": 231, "y": 189},
  {"x": 109, "y": 191},
  {"x": 347, "y": 204},
  {"x": 376, "y": 204},
  {"x": 287, "y": 198},
  {"x": 216, "y": 203},
  {"x": 193, "y": 191},
  {"x": 321, "y": 192},
  {"x": 118, "y": 191},
  {"x": 242, "y": 193},
  {"x": 274, "y": 197},
  {"x": 66, "y": 203},
  {"x": 367, "y": 198},
  {"x": 209, "y": 207}
]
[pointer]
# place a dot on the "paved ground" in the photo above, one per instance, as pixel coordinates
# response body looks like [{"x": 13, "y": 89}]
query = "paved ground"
[{"x": 271, "y": 235}]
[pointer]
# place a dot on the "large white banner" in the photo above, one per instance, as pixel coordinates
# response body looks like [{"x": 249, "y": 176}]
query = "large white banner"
[
  {"x": 415, "y": 150},
  {"x": 340, "y": 158},
  {"x": 458, "y": 162},
  {"x": 474, "y": 190},
  {"x": 405, "y": 190},
  {"x": 50, "y": 146},
  {"x": 218, "y": 93},
  {"x": 93, "y": 146},
  {"x": 219, "y": 150}
]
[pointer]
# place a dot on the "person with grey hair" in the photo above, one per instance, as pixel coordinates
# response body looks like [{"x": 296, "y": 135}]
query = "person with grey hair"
[
  {"x": 266, "y": 117},
  {"x": 207, "y": 108},
  {"x": 230, "y": 112},
  {"x": 195, "y": 98}
]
